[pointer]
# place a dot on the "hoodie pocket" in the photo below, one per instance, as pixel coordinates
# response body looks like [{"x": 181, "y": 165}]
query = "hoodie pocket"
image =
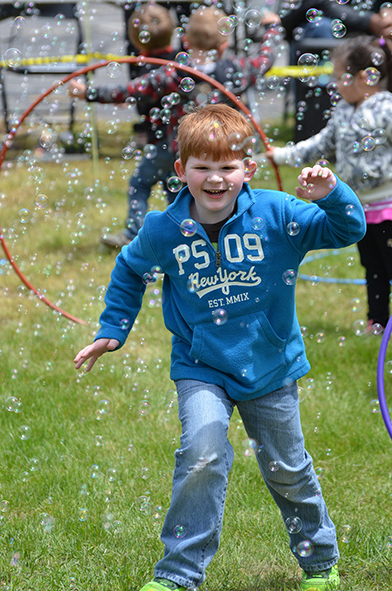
[{"x": 246, "y": 348}]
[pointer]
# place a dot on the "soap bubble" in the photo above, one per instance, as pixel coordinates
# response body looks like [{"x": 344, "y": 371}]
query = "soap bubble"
[
  {"x": 252, "y": 18},
  {"x": 112, "y": 475},
  {"x": 347, "y": 79},
  {"x": 174, "y": 184},
  {"x": 19, "y": 22},
  {"x": 188, "y": 227},
  {"x": 41, "y": 201},
  {"x": 309, "y": 384},
  {"x": 293, "y": 228},
  {"x": 368, "y": 143},
  {"x": 319, "y": 472},
  {"x": 47, "y": 522},
  {"x": 226, "y": 25},
  {"x": 83, "y": 514},
  {"x": 219, "y": 316},
  {"x": 289, "y": 277},
  {"x": 345, "y": 533},
  {"x": 313, "y": 15},
  {"x": 305, "y": 549},
  {"x": 187, "y": 84},
  {"x": 338, "y": 29},
  {"x": 274, "y": 466},
  {"x": 13, "y": 404},
  {"x": 13, "y": 57},
  {"x": 350, "y": 261},
  {"x": 182, "y": 58},
  {"x": 148, "y": 278},
  {"x": 375, "y": 406},
  {"x": 95, "y": 471},
  {"x": 144, "y": 408},
  {"x": 179, "y": 531},
  {"x": 24, "y": 432},
  {"x": 371, "y": 76},
  {"x": 24, "y": 215},
  {"x": 124, "y": 324},
  {"x": 360, "y": 327},
  {"x": 257, "y": 223},
  {"x": 113, "y": 70},
  {"x": 349, "y": 209},
  {"x": 144, "y": 36},
  {"x": 179, "y": 32},
  {"x": 308, "y": 62},
  {"x": 377, "y": 58},
  {"x": 150, "y": 151},
  {"x": 103, "y": 409},
  {"x": 191, "y": 284},
  {"x": 293, "y": 525},
  {"x": 235, "y": 141},
  {"x": 379, "y": 136},
  {"x": 127, "y": 153},
  {"x": 377, "y": 328}
]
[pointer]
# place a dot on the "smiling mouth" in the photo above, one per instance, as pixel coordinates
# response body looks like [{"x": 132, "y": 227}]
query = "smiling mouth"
[{"x": 214, "y": 192}]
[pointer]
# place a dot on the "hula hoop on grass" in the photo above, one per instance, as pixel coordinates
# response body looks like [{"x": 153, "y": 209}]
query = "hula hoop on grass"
[
  {"x": 317, "y": 279},
  {"x": 380, "y": 377},
  {"x": 81, "y": 72}
]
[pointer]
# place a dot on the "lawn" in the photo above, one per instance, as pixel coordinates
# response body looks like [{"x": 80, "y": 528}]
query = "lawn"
[{"x": 87, "y": 459}]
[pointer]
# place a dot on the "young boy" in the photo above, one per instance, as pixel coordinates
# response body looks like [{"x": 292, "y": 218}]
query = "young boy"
[
  {"x": 228, "y": 299},
  {"x": 206, "y": 46}
]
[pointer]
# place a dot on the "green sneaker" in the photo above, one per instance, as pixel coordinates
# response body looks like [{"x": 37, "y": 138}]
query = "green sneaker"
[
  {"x": 322, "y": 581},
  {"x": 162, "y": 585}
]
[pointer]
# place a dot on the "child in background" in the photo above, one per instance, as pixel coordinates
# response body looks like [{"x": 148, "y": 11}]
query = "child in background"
[
  {"x": 206, "y": 46},
  {"x": 229, "y": 301},
  {"x": 359, "y": 138},
  {"x": 150, "y": 29}
]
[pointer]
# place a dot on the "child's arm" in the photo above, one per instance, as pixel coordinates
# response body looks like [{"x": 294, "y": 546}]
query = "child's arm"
[
  {"x": 321, "y": 145},
  {"x": 316, "y": 183},
  {"x": 93, "y": 351}
]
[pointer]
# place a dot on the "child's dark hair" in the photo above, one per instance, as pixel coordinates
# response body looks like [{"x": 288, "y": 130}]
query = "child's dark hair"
[{"x": 359, "y": 52}]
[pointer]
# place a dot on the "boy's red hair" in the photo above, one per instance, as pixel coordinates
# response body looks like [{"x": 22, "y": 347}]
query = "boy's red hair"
[{"x": 213, "y": 131}]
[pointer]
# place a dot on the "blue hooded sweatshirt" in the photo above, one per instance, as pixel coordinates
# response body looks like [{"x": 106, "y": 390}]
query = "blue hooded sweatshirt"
[{"x": 231, "y": 312}]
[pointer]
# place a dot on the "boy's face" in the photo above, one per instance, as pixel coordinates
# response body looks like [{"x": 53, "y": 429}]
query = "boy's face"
[{"x": 214, "y": 185}]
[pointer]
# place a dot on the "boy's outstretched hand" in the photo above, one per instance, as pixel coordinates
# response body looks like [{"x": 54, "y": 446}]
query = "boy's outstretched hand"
[
  {"x": 316, "y": 183},
  {"x": 92, "y": 352}
]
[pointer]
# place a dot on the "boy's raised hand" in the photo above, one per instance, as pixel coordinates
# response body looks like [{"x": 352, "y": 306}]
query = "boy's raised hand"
[
  {"x": 93, "y": 351},
  {"x": 316, "y": 182}
]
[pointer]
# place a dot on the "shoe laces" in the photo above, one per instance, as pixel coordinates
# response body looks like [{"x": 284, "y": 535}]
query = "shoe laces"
[
  {"x": 166, "y": 583},
  {"x": 319, "y": 575}
]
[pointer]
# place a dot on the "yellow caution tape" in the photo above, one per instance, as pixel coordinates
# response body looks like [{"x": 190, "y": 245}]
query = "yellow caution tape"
[{"x": 278, "y": 71}]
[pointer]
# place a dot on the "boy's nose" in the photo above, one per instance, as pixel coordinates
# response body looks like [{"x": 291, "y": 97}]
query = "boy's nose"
[{"x": 215, "y": 177}]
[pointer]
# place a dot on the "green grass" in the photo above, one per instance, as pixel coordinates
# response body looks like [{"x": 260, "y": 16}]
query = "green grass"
[{"x": 66, "y": 525}]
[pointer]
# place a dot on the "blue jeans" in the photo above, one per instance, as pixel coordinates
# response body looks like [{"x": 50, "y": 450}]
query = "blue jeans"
[
  {"x": 194, "y": 520},
  {"x": 149, "y": 172}
]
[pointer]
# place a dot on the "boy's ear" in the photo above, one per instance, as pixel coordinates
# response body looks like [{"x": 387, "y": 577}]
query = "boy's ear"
[
  {"x": 251, "y": 167},
  {"x": 180, "y": 170}
]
